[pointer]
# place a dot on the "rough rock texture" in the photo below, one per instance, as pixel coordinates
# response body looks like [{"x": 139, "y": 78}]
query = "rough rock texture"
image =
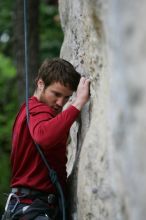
[{"x": 106, "y": 41}]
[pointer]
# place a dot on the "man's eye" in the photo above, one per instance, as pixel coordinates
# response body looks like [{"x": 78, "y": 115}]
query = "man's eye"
[
  {"x": 67, "y": 97},
  {"x": 56, "y": 94}
]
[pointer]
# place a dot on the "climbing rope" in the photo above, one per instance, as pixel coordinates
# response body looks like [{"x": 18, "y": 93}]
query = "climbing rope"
[{"x": 52, "y": 173}]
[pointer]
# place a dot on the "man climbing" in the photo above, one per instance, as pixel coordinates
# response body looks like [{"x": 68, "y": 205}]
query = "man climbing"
[{"x": 33, "y": 195}]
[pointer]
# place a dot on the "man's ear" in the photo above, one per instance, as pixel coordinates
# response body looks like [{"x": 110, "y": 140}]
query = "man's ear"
[{"x": 40, "y": 84}]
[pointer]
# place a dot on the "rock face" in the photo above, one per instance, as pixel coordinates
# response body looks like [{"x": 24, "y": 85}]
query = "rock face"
[{"x": 106, "y": 42}]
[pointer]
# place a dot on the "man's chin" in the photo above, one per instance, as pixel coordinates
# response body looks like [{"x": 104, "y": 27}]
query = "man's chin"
[{"x": 57, "y": 111}]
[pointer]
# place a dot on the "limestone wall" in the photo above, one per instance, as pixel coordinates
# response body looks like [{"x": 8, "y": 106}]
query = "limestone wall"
[{"x": 105, "y": 40}]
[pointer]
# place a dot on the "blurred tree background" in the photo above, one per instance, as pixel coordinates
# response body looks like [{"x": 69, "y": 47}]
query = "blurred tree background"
[{"x": 45, "y": 39}]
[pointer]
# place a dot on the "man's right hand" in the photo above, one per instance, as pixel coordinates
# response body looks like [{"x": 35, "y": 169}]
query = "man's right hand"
[{"x": 82, "y": 94}]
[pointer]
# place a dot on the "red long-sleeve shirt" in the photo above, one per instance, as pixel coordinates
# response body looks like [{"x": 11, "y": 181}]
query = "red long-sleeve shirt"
[{"x": 50, "y": 131}]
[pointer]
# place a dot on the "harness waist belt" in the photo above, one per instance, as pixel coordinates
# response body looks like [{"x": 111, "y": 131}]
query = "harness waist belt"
[
  {"x": 30, "y": 193},
  {"x": 23, "y": 190}
]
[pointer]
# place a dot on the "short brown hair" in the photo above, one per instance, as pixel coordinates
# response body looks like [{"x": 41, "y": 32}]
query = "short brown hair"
[{"x": 58, "y": 70}]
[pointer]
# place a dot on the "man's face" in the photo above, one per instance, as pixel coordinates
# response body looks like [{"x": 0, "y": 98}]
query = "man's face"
[{"x": 56, "y": 96}]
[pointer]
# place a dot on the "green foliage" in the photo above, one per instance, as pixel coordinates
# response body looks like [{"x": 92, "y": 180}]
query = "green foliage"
[
  {"x": 8, "y": 105},
  {"x": 51, "y": 35},
  {"x": 7, "y": 92},
  {"x": 6, "y": 15},
  {"x": 7, "y": 69},
  {"x": 4, "y": 178}
]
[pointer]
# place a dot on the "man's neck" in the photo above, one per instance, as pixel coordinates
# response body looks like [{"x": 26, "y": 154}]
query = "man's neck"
[{"x": 37, "y": 94}]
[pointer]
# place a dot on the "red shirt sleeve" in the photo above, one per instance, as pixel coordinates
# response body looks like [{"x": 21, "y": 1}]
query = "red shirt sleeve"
[{"x": 47, "y": 129}]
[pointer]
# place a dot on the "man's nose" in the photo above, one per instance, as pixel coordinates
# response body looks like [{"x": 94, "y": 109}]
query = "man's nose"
[{"x": 60, "y": 102}]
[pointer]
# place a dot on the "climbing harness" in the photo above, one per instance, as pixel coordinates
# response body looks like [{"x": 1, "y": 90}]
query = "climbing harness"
[
  {"x": 12, "y": 195},
  {"x": 52, "y": 173}
]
